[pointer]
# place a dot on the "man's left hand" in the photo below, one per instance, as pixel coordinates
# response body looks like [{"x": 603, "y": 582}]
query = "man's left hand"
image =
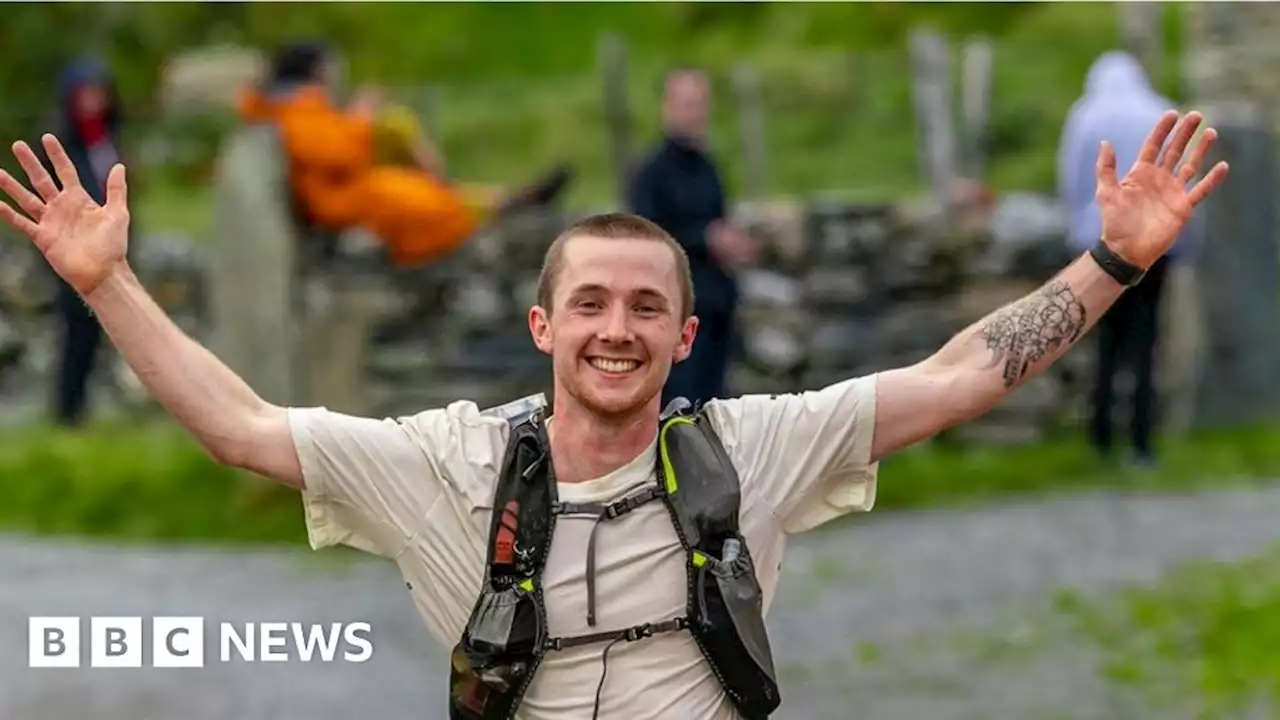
[{"x": 1143, "y": 214}]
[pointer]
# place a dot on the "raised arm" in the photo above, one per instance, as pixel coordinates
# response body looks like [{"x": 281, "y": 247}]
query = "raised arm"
[
  {"x": 86, "y": 243},
  {"x": 1142, "y": 215}
]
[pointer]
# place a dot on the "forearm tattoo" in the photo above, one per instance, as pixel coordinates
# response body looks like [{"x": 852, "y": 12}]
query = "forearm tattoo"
[{"x": 1022, "y": 334}]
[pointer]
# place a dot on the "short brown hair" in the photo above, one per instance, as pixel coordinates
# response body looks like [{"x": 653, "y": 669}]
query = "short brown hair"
[{"x": 614, "y": 226}]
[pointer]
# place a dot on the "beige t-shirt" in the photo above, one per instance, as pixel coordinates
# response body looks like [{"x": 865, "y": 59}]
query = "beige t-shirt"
[{"x": 419, "y": 490}]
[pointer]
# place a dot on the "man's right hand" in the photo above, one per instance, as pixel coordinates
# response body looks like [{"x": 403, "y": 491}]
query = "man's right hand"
[
  {"x": 731, "y": 246},
  {"x": 84, "y": 242}
]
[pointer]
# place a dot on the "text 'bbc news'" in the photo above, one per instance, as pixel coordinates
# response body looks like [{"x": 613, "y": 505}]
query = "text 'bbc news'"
[{"x": 180, "y": 642}]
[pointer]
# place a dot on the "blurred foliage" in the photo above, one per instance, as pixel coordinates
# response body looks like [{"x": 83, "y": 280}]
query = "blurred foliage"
[
  {"x": 151, "y": 482},
  {"x": 411, "y": 42},
  {"x": 394, "y": 40}
]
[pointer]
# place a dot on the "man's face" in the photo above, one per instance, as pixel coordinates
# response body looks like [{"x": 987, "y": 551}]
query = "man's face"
[
  {"x": 614, "y": 328},
  {"x": 685, "y": 105}
]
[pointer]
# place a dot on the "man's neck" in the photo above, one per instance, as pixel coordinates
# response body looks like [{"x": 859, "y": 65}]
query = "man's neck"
[
  {"x": 687, "y": 143},
  {"x": 585, "y": 447}
]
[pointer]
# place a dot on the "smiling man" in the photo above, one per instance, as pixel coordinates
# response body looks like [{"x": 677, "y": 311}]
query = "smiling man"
[{"x": 613, "y": 558}]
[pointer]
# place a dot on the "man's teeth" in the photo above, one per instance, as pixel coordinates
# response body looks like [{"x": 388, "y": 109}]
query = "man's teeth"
[{"x": 614, "y": 366}]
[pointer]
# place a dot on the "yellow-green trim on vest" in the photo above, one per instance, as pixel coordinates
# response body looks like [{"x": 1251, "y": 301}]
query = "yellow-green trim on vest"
[{"x": 668, "y": 470}]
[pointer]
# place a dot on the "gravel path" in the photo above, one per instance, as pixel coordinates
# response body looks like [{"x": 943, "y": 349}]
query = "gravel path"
[{"x": 930, "y": 591}]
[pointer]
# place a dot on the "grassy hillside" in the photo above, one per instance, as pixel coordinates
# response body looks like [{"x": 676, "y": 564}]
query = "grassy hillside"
[
  {"x": 512, "y": 88},
  {"x": 838, "y": 110}
]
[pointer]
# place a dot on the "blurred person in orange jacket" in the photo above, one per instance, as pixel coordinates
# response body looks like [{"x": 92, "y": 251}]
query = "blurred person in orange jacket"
[{"x": 341, "y": 183}]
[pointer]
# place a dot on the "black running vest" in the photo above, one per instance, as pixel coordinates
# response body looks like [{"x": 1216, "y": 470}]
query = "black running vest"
[{"x": 506, "y": 637}]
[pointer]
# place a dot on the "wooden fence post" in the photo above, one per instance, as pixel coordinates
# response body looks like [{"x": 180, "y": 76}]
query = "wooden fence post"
[
  {"x": 613, "y": 71},
  {"x": 978, "y": 61},
  {"x": 1143, "y": 35},
  {"x": 935, "y": 127},
  {"x": 746, "y": 86}
]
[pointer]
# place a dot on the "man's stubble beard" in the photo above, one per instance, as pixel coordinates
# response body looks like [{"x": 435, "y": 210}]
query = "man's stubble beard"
[{"x": 581, "y": 397}]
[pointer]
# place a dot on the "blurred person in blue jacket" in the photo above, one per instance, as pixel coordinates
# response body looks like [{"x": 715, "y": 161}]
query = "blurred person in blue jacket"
[
  {"x": 679, "y": 188},
  {"x": 1119, "y": 105},
  {"x": 89, "y": 123}
]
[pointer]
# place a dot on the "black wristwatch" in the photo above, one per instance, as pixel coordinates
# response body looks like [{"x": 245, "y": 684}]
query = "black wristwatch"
[{"x": 1124, "y": 272}]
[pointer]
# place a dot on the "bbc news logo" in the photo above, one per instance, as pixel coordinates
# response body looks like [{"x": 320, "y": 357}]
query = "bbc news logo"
[{"x": 179, "y": 642}]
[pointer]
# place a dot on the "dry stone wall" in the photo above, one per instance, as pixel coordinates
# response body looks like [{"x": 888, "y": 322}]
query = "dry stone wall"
[{"x": 842, "y": 290}]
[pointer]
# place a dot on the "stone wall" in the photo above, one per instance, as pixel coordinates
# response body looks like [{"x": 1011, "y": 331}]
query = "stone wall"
[
  {"x": 1231, "y": 68},
  {"x": 842, "y": 290},
  {"x": 873, "y": 287}
]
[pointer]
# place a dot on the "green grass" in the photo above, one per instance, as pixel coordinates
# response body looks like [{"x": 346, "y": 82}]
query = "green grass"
[
  {"x": 939, "y": 474},
  {"x": 168, "y": 207},
  {"x": 150, "y": 482},
  {"x": 1205, "y": 637},
  {"x": 136, "y": 482}
]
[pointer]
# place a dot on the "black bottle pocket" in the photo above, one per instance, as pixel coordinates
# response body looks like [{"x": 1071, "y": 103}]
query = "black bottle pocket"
[
  {"x": 497, "y": 653},
  {"x": 744, "y": 601},
  {"x": 505, "y": 622}
]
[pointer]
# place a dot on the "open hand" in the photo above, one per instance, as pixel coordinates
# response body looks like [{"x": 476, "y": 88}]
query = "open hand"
[
  {"x": 730, "y": 245},
  {"x": 84, "y": 242},
  {"x": 1143, "y": 214}
]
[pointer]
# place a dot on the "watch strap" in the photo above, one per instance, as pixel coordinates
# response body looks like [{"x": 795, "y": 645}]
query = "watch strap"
[{"x": 1123, "y": 271}]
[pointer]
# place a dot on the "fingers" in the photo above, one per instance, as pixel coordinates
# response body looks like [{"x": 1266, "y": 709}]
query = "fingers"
[
  {"x": 1171, "y": 156},
  {"x": 18, "y": 221},
  {"x": 1208, "y": 184},
  {"x": 26, "y": 199},
  {"x": 35, "y": 171},
  {"x": 1186, "y": 130},
  {"x": 1191, "y": 167},
  {"x": 1106, "y": 167},
  {"x": 117, "y": 188},
  {"x": 62, "y": 164},
  {"x": 1155, "y": 141}
]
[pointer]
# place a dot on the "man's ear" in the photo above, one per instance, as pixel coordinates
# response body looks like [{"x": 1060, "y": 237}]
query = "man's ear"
[
  {"x": 540, "y": 328},
  {"x": 687, "y": 335}
]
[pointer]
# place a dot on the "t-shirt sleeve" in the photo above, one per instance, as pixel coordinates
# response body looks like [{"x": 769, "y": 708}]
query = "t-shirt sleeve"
[
  {"x": 370, "y": 483},
  {"x": 807, "y": 454}
]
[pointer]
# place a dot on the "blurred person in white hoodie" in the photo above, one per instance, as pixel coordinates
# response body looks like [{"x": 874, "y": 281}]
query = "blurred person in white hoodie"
[{"x": 1119, "y": 106}]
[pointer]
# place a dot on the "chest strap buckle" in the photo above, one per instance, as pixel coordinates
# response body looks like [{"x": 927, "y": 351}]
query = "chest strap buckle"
[{"x": 631, "y": 634}]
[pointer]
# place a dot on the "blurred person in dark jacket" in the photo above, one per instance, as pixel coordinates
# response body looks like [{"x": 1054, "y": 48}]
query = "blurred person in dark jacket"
[
  {"x": 679, "y": 188},
  {"x": 89, "y": 124},
  {"x": 1119, "y": 106}
]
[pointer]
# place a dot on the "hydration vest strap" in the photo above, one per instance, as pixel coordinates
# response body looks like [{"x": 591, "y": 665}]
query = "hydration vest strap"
[
  {"x": 603, "y": 512},
  {"x": 631, "y": 634},
  {"x": 612, "y": 510}
]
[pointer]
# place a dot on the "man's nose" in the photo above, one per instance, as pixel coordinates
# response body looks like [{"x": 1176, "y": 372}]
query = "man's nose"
[{"x": 617, "y": 327}]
